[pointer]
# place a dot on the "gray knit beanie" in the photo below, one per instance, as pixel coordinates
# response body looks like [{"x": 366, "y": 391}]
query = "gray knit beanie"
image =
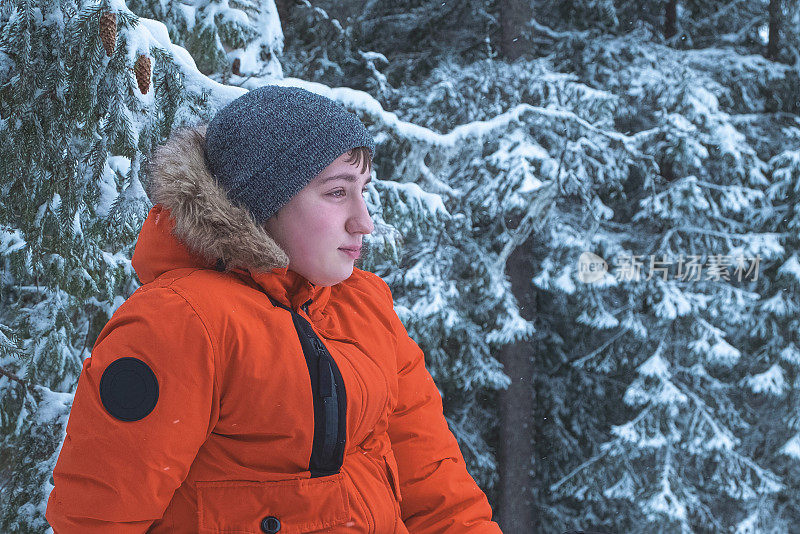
[{"x": 268, "y": 144}]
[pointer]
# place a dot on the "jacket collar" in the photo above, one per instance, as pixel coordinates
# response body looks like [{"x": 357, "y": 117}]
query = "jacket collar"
[
  {"x": 193, "y": 224},
  {"x": 292, "y": 289}
]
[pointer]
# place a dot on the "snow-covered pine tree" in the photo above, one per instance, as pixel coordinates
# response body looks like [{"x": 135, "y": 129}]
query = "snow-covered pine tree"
[
  {"x": 771, "y": 375},
  {"x": 675, "y": 460},
  {"x": 230, "y": 42},
  {"x": 86, "y": 91},
  {"x": 417, "y": 35},
  {"x": 718, "y": 23},
  {"x": 697, "y": 23},
  {"x": 790, "y": 42},
  {"x": 381, "y": 44},
  {"x": 566, "y": 150},
  {"x": 319, "y": 47}
]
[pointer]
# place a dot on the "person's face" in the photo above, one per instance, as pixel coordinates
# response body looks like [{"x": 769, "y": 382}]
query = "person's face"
[{"x": 325, "y": 216}]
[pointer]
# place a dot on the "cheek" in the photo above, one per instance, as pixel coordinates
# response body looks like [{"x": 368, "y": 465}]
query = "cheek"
[
  {"x": 321, "y": 218},
  {"x": 315, "y": 231}
]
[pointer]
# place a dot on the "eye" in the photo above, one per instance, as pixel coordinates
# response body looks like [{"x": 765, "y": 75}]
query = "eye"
[{"x": 342, "y": 191}]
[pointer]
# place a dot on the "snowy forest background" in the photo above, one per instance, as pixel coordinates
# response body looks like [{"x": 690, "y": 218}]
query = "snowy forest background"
[{"x": 658, "y": 394}]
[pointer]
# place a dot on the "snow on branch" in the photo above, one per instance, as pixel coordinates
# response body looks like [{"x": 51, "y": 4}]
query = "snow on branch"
[{"x": 368, "y": 105}]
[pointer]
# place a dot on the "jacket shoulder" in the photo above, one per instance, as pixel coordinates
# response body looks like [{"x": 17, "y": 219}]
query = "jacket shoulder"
[
  {"x": 161, "y": 290},
  {"x": 153, "y": 298},
  {"x": 208, "y": 293},
  {"x": 200, "y": 286}
]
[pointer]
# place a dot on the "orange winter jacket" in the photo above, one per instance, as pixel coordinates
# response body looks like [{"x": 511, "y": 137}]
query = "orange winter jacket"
[{"x": 229, "y": 394}]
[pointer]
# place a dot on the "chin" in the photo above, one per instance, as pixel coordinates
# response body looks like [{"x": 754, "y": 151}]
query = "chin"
[{"x": 332, "y": 279}]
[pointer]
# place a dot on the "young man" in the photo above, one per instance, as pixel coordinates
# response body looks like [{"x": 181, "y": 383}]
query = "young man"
[{"x": 257, "y": 381}]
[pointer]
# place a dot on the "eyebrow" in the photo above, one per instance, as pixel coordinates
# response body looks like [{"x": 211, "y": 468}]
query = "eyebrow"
[{"x": 348, "y": 177}]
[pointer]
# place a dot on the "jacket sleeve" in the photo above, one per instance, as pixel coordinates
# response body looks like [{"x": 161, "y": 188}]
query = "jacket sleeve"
[
  {"x": 118, "y": 476},
  {"x": 438, "y": 493}
]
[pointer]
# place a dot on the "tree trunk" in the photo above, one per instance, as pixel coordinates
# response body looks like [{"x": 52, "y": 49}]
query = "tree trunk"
[
  {"x": 514, "y": 18},
  {"x": 671, "y": 19},
  {"x": 516, "y": 451},
  {"x": 774, "y": 29},
  {"x": 284, "y": 7}
]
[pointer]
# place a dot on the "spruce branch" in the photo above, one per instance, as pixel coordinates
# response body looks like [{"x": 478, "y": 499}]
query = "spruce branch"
[{"x": 12, "y": 376}]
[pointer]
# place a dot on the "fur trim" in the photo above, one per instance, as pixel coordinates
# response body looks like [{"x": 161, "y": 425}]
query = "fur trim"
[{"x": 209, "y": 224}]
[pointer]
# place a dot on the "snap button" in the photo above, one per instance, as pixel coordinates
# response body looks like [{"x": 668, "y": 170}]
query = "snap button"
[{"x": 270, "y": 524}]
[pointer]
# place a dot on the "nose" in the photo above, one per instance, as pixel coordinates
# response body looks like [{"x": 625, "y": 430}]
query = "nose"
[{"x": 360, "y": 221}]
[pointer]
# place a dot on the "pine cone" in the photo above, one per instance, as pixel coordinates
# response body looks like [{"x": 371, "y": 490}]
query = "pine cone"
[
  {"x": 142, "y": 71},
  {"x": 108, "y": 32},
  {"x": 236, "y": 65}
]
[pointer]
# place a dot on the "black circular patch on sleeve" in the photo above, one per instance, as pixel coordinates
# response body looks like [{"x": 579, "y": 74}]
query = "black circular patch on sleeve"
[{"x": 129, "y": 389}]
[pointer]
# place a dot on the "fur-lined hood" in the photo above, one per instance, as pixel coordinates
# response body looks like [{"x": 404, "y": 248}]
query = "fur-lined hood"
[{"x": 206, "y": 222}]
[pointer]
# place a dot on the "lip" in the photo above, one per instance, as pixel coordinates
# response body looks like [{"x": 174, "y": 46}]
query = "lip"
[{"x": 352, "y": 252}]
